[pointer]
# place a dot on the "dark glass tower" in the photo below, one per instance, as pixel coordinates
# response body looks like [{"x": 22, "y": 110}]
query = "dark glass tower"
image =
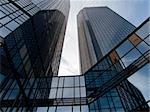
[{"x": 31, "y": 35}]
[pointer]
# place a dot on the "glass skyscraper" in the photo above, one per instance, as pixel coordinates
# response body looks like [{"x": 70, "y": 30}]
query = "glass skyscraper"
[
  {"x": 31, "y": 40},
  {"x": 107, "y": 43},
  {"x": 31, "y": 35}
]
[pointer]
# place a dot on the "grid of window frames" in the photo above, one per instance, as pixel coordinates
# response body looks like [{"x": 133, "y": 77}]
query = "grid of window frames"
[
  {"x": 15, "y": 12},
  {"x": 118, "y": 61},
  {"x": 68, "y": 90},
  {"x": 12, "y": 16},
  {"x": 128, "y": 91},
  {"x": 81, "y": 108},
  {"x": 109, "y": 102},
  {"x": 26, "y": 60},
  {"x": 61, "y": 85}
]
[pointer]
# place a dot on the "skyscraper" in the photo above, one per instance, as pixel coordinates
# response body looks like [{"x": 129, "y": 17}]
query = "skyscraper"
[
  {"x": 31, "y": 39},
  {"x": 32, "y": 36},
  {"x": 104, "y": 60},
  {"x": 100, "y": 30}
]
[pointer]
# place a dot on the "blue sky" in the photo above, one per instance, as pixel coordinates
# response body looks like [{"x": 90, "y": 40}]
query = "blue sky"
[{"x": 135, "y": 11}]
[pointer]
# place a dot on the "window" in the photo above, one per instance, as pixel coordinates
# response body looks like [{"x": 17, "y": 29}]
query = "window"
[
  {"x": 23, "y": 51},
  {"x": 68, "y": 92},
  {"x": 51, "y": 109},
  {"x": 69, "y": 82},
  {"x": 143, "y": 47},
  {"x": 1, "y": 14},
  {"x": 64, "y": 109},
  {"x": 5, "y": 20},
  {"x": 147, "y": 40},
  {"x": 84, "y": 108},
  {"x": 12, "y": 25},
  {"x": 144, "y": 30},
  {"x": 77, "y": 92},
  {"x": 4, "y": 31},
  {"x": 61, "y": 80},
  {"x": 77, "y": 109},
  {"x": 82, "y": 81},
  {"x": 14, "y": 94},
  {"x": 124, "y": 48},
  {"x": 130, "y": 57},
  {"x": 2, "y": 77},
  {"x": 83, "y": 92},
  {"x": 52, "y": 93},
  {"x": 42, "y": 109},
  {"x": 54, "y": 82},
  {"x": 76, "y": 81},
  {"x": 59, "y": 92}
]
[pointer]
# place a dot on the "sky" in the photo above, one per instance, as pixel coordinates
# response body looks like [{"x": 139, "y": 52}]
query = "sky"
[{"x": 135, "y": 11}]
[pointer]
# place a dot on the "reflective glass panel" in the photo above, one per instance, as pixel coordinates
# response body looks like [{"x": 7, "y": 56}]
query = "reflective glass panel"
[
  {"x": 143, "y": 47},
  {"x": 69, "y": 82},
  {"x": 82, "y": 81},
  {"x": 64, "y": 109},
  {"x": 42, "y": 109},
  {"x": 124, "y": 48},
  {"x": 54, "y": 82},
  {"x": 83, "y": 92},
  {"x": 52, "y": 93},
  {"x": 130, "y": 57},
  {"x": 144, "y": 30},
  {"x": 61, "y": 80},
  {"x": 68, "y": 92}
]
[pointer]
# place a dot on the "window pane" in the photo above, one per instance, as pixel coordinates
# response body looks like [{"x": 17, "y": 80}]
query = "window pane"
[
  {"x": 82, "y": 81},
  {"x": 76, "y": 81},
  {"x": 5, "y": 20},
  {"x": 76, "y": 108},
  {"x": 118, "y": 102},
  {"x": 77, "y": 92},
  {"x": 4, "y": 31},
  {"x": 143, "y": 47},
  {"x": 14, "y": 94},
  {"x": 104, "y": 102},
  {"x": 2, "y": 77},
  {"x": 51, "y": 109},
  {"x": 64, "y": 109},
  {"x": 42, "y": 109},
  {"x": 84, "y": 108},
  {"x": 1, "y": 14},
  {"x": 83, "y": 92},
  {"x": 147, "y": 40},
  {"x": 52, "y": 93},
  {"x": 59, "y": 92},
  {"x": 61, "y": 80},
  {"x": 12, "y": 25},
  {"x": 144, "y": 31},
  {"x": 124, "y": 48},
  {"x": 69, "y": 82},
  {"x": 68, "y": 92},
  {"x": 23, "y": 51},
  {"x": 54, "y": 82},
  {"x": 130, "y": 57}
]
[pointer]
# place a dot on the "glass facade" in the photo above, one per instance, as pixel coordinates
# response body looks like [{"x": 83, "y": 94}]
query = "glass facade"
[
  {"x": 109, "y": 54},
  {"x": 31, "y": 39},
  {"x": 100, "y": 30}
]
